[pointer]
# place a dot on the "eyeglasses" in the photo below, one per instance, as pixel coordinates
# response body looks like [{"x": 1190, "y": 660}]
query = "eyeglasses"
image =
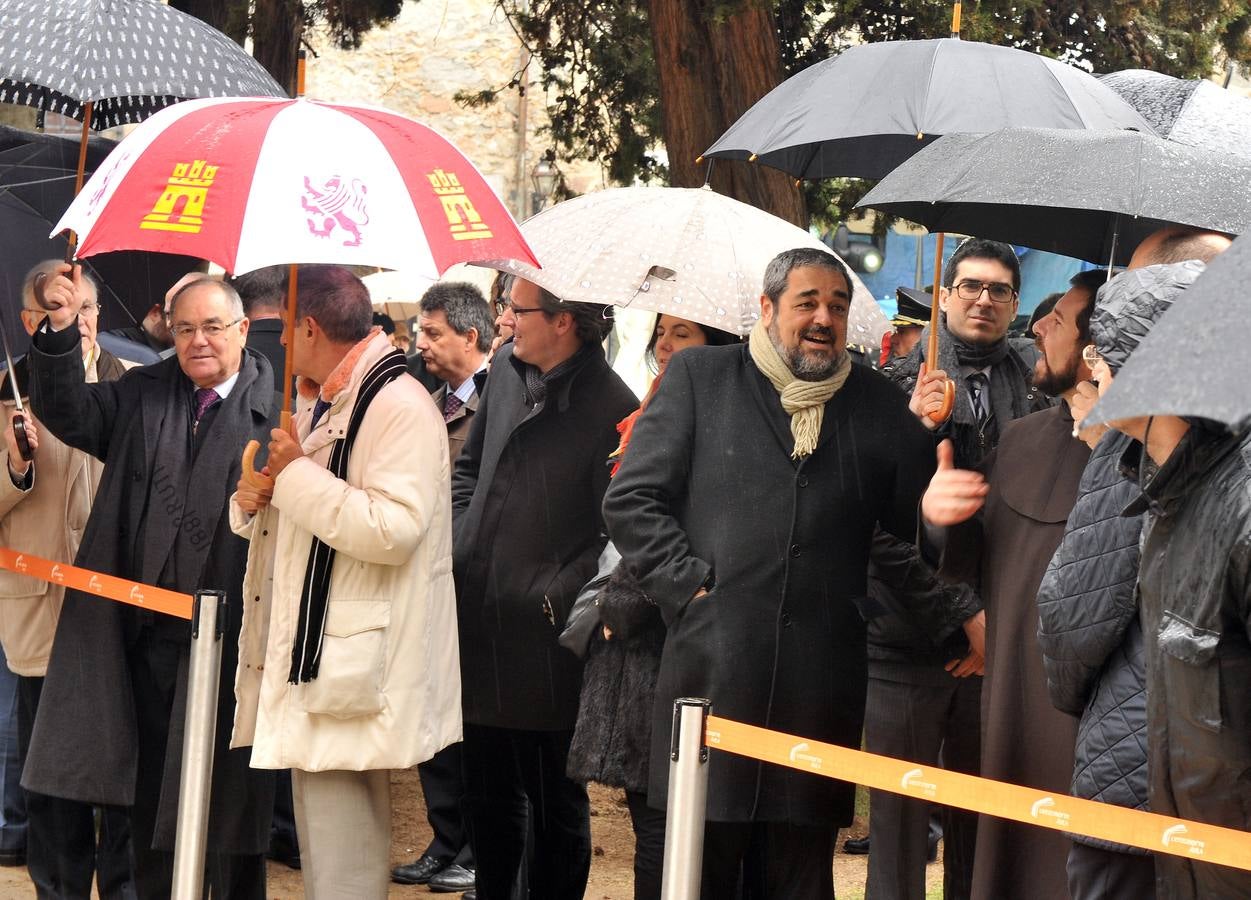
[
  {"x": 522, "y": 310},
  {"x": 972, "y": 290},
  {"x": 212, "y": 329}
]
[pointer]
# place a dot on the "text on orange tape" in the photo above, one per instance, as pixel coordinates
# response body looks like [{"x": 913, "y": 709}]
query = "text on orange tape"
[
  {"x": 1150, "y": 831},
  {"x": 122, "y": 590}
]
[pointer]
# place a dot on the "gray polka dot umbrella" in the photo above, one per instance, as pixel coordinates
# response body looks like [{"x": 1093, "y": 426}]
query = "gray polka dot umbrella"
[
  {"x": 688, "y": 252},
  {"x": 126, "y": 58}
]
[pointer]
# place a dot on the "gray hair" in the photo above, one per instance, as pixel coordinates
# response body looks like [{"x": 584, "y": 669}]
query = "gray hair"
[
  {"x": 227, "y": 291},
  {"x": 464, "y": 307},
  {"x": 48, "y": 267},
  {"x": 778, "y": 272}
]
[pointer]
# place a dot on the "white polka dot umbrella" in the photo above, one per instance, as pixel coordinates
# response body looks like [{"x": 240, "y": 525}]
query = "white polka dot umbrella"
[{"x": 688, "y": 252}]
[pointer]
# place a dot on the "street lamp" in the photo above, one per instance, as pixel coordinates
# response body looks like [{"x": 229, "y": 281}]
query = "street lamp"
[{"x": 545, "y": 176}]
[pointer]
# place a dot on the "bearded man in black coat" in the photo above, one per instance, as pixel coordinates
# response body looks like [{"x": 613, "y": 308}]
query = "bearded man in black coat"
[
  {"x": 110, "y": 724},
  {"x": 745, "y": 510}
]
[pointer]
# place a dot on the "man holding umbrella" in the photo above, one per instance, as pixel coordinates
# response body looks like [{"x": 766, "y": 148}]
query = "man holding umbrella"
[{"x": 917, "y": 707}]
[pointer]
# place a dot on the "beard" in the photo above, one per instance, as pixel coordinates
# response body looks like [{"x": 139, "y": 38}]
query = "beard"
[
  {"x": 1054, "y": 382},
  {"x": 807, "y": 366}
]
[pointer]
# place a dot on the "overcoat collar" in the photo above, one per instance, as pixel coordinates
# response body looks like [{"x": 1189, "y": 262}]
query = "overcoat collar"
[{"x": 770, "y": 406}]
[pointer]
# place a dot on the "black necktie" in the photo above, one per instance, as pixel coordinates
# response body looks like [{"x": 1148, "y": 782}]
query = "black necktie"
[{"x": 976, "y": 383}]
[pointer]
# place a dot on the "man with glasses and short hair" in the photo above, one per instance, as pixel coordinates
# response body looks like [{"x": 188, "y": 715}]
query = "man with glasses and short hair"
[
  {"x": 527, "y": 535},
  {"x": 924, "y": 698},
  {"x": 111, "y": 721}
]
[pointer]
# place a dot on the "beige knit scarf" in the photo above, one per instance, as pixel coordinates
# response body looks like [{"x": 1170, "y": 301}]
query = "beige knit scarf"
[{"x": 803, "y": 401}]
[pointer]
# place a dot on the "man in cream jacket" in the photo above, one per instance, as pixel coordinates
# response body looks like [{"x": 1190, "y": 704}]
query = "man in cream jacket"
[{"x": 348, "y": 663}]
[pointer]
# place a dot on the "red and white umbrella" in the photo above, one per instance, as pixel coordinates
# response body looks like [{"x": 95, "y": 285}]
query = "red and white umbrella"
[{"x": 252, "y": 182}]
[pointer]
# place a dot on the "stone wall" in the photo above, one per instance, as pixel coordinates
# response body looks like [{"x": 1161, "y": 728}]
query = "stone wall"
[{"x": 417, "y": 64}]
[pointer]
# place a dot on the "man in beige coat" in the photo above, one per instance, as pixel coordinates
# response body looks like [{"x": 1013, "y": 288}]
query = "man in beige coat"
[
  {"x": 348, "y": 661},
  {"x": 44, "y": 504}
]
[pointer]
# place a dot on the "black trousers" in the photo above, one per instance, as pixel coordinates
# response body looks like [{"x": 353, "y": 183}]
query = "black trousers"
[
  {"x": 443, "y": 786},
  {"x": 154, "y": 659},
  {"x": 282, "y": 836},
  {"x": 516, "y": 779},
  {"x": 649, "y": 846},
  {"x": 921, "y": 723},
  {"x": 1096, "y": 874},
  {"x": 768, "y": 861},
  {"x": 64, "y": 850}
]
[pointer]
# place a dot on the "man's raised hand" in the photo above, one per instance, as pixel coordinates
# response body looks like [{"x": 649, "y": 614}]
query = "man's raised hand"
[
  {"x": 954, "y": 495},
  {"x": 929, "y": 395}
]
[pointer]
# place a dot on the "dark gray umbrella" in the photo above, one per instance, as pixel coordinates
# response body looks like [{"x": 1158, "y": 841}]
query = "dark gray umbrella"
[
  {"x": 1068, "y": 192},
  {"x": 1197, "y": 113},
  {"x": 128, "y": 58},
  {"x": 865, "y": 111},
  {"x": 1194, "y": 361}
]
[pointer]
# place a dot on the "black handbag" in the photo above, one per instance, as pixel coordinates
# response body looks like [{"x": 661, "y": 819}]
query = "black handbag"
[{"x": 584, "y": 617}]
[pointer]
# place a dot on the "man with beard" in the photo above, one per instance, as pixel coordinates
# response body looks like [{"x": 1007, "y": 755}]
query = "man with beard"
[
  {"x": 1030, "y": 486},
  {"x": 924, "y": 696},
  {"x": 745, "y": 509}
]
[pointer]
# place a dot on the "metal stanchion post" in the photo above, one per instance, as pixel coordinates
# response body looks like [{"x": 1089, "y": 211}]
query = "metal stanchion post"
[
  {"x": 208, "y": 624},
  {"x": 688, "y": 799}
]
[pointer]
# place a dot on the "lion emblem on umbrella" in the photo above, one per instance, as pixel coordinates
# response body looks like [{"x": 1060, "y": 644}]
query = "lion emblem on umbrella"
[{"x": 337, "y": 203}]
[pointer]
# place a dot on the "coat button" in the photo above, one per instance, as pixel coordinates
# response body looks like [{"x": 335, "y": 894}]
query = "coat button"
[
  {"x": 802, "y": 480},
  {"x": 794, "y": 550},
  {"x": 786, "y": 619}
]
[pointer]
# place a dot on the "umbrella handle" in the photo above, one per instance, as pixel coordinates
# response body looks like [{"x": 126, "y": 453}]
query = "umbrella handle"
[
  {"x": 939, "y": 416},
  {"x": 23, "y": 443},
  {"x": 250, "y": 474}
]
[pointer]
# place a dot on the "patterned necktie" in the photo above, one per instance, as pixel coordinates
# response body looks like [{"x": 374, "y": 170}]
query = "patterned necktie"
[
  {"x": 204, "y": 398},
  {"x": 976, "y": 383},
  {"x": 451, "y": 403}
]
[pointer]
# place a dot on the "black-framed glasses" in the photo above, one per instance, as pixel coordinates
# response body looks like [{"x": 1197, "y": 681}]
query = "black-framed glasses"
[
  {"x": 522, "y": 310},
  {"x": 212, "y": 329},
  {"x": 969, "y": 290}
]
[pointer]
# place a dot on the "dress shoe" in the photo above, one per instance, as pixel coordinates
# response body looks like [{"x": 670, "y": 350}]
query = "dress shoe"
[
  {"x": 453, "y": 879},
  {"x": 856, "y": 846},
  {"x": 931, "y": 849},
  {"x": 420, "y": 870},
  {"x": 469, "y": 895},
  {"x": 282, "y": 851},
  {"x": 13, "y": 858}
]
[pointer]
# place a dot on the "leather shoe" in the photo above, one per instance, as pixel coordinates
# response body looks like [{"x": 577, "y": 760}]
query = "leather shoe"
[
  {"x": 453, "y": 879},
  {"x": 856, "y": 846},
  {"x": 931, "y": 849},
  {"x": 283, "y": 852},
  {"x": 469, "y": 895},
  {"x": 13, "y": 858},
  {"x": 420, "y": 870}
]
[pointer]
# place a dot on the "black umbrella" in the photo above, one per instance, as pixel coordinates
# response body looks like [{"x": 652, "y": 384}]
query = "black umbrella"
[
  {"x": 1197, "y": 113},
  {"x": 126, "y": 58},
  {"x": 1071, "y": 192},
  {"x": 1194, "y": 361},
  {"x": 36, "y": 186},
  {"x": 865, "y": 111}
]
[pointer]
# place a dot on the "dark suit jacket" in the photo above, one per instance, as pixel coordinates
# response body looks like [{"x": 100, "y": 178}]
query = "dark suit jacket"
[
  {"x": 85, "y": 742},
  {"x": 458, "y": 426},
  {"x": 527, "y": 534},
  {"x": 709, "y": 490},
  {"x": 264, "y": 336}
]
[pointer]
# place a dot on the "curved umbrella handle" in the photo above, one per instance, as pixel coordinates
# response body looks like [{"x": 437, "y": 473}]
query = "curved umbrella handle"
[
  {"x": 250, "y": 474},
  {"x": 939, "y": 416}
]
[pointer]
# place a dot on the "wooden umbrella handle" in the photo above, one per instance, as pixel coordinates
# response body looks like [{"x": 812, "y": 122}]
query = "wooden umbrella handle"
[{"x": 941, "y": 414}]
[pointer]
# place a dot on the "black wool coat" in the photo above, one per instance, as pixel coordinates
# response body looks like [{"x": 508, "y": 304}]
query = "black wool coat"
[
  {"x": 709, "y": 494},
  {"x": 527, "y": 534},
  {"x": 85, "y": 744}
]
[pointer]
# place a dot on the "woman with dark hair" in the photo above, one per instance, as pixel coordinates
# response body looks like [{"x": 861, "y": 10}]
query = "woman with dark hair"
[{"x": 612, "y": 739}]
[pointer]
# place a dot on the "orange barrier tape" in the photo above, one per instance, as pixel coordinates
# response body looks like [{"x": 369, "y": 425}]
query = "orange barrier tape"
[
  {"x": 1150, "y": 831},
  {"x": 157, "y": 599}
]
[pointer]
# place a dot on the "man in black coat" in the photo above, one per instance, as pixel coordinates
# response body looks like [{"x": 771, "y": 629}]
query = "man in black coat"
[
  {"x": 527, "y": 533},
  {"x": 111, "y": 718},
  {"x": 745, "y": 510}
]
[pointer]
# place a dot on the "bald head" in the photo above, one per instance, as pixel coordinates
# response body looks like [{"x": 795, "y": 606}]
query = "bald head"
[{"x": 1174, "y": 245}]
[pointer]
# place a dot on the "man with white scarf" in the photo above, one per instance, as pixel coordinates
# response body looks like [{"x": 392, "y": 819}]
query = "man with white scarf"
[{"x": 745, "y": 509}]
